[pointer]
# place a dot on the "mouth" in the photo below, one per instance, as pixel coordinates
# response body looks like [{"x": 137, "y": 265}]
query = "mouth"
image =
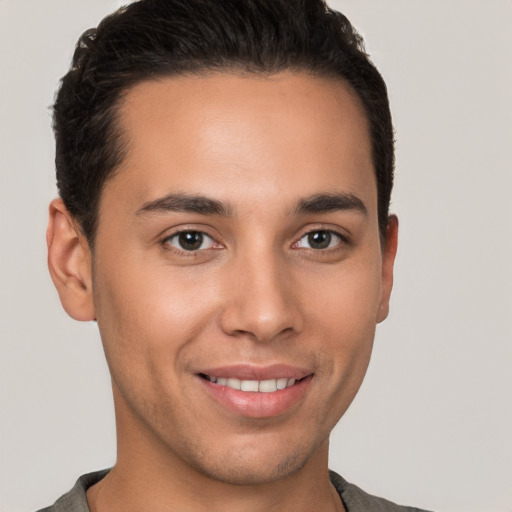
[
  {"x": 256, "y": 392},
  {"x": 253, "y": 386}
]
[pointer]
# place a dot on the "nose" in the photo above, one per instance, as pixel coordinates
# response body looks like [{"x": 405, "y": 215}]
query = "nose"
[{"x": 261, "y": 301}]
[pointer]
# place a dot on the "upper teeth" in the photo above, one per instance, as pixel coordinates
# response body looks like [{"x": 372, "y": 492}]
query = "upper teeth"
[{"x": 264, "y": 386}]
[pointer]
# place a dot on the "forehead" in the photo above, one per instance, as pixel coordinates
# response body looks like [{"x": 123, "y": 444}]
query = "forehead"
[{"x": 223, "y": 134}]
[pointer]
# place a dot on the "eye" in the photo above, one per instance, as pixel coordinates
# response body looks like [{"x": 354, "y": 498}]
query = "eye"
[
  {"x": 319, "y": 240},
  {"x": 190, "y": 241}
]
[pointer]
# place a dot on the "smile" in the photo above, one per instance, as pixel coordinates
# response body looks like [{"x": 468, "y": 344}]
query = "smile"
[
  {"x": 252, "y": 386},
  {"x": 253, "y": 391}
]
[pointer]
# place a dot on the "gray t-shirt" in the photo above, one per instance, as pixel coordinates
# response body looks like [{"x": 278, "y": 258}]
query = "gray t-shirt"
[{"x": 354, "y": 499}]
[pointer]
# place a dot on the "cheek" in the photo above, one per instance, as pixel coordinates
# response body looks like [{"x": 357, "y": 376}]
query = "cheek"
[
  {"x": 149, "y": 317},
  {"x": 345, "y": 311},
  {"x": 348, "y": 298}
]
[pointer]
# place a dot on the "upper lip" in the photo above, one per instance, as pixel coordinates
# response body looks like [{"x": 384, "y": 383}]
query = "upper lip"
[{"x": 253, "y": 372}]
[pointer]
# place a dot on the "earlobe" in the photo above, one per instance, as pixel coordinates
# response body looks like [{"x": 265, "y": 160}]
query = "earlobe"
[
  {"x": 389, "y": 249},
  {"x": 69, "y": 263}
]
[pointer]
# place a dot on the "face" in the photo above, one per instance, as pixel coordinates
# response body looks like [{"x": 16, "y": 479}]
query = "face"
[{"x": 238, "y": 273}]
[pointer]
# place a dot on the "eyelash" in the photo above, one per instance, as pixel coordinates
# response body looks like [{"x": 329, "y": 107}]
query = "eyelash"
[
  {"x": 341, "y": 239},
  {"x": 167, "y": 241}
]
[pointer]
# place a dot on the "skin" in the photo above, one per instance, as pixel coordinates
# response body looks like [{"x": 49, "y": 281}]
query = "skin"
[{"x": 256, "y": 293}]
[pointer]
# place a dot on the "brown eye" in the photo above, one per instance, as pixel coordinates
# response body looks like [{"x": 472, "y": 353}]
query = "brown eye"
[
  {"x": 191, "y": 241},
  {"x": 319, "y": 240}
]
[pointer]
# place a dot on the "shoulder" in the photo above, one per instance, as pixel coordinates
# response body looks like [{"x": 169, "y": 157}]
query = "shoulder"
[
  {"x": 75, "y": 500},
  {"x": 356, "y": 500}
]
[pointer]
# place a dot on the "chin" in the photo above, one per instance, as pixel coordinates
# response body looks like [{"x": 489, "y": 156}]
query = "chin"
[
  {"x": 254, "y": 464},
  {"x": 246, "y": 472}
]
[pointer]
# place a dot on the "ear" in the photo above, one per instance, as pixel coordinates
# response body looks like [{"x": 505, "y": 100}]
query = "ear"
[
  {"x": 388, "y": 260},
  {"x": 69, "y": 262}
]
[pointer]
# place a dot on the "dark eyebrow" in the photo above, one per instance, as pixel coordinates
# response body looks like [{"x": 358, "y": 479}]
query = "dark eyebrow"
[
  {"x": 185, "y": 203},
  {"x": 325, "y": 203}
]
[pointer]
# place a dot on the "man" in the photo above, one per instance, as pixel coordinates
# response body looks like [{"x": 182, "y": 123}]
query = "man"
[{"x": 225, "y": 171}]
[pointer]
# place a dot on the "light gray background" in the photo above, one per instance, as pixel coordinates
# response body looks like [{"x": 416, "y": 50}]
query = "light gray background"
[{"x": 432, "y": 425}]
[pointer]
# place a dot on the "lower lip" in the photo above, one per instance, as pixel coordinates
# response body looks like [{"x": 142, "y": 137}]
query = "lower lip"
[{"x": 257, "y": 404}]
